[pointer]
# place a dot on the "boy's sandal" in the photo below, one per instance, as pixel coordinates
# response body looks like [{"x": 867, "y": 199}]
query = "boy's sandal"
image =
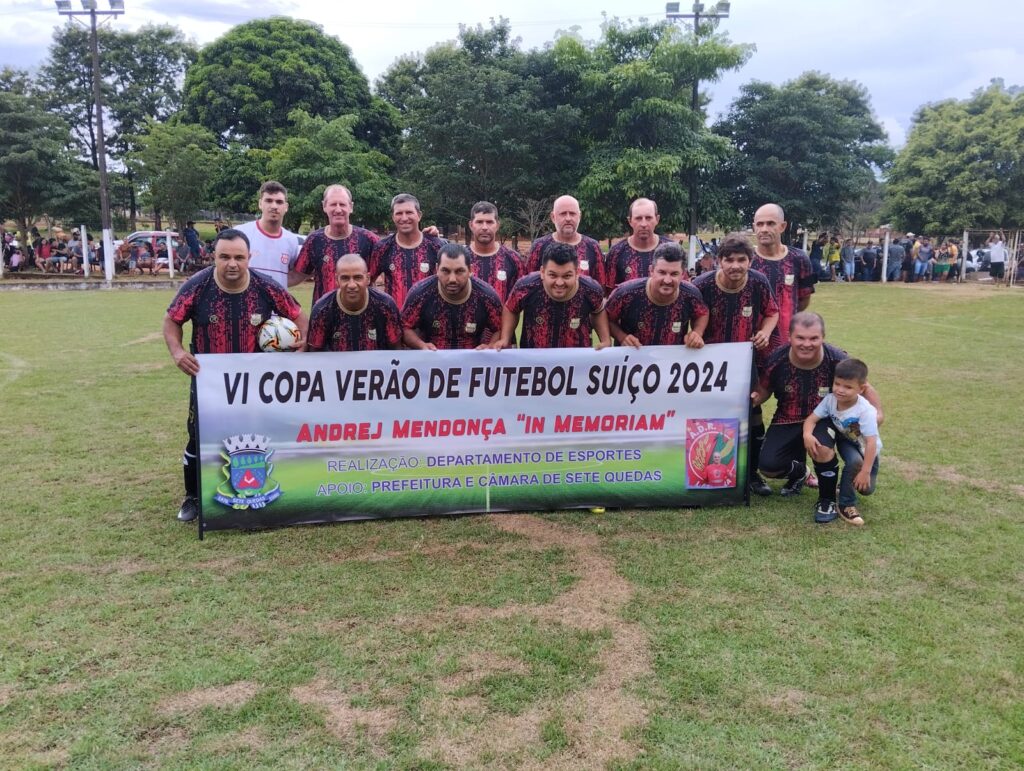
[{"x": 851, "y": 515}]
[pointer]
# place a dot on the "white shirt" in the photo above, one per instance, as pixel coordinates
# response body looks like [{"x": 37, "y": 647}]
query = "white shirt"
[
  {"x": 854, "y": 423},
  {"x": 997, "y": 251},
  {"x": 271, "y": 255}
]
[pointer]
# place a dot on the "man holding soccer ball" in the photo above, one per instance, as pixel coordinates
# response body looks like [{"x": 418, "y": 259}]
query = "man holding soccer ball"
[{"x": 227, "y": 305}]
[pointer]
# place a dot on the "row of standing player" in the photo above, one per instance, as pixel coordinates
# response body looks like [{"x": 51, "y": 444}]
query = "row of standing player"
[{"x": 562, "y": 302}]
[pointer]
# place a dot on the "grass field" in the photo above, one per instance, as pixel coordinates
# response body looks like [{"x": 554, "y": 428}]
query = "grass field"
[{"x": 717, "y": 638}]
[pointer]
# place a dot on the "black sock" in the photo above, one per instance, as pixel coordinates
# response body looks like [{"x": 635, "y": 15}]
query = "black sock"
[
  {"x": 828, "y": 479},
  {"x": 797, "y": 471},
  {"x": 190, "y": 466}
]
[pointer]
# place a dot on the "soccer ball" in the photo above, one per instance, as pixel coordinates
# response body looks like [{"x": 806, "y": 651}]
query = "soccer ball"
[{"x": 279, "y": 334}]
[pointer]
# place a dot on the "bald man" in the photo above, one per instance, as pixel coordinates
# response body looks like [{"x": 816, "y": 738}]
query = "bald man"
[
  {"x": 787, "y": 268},
  {"x": 354, "y": 317},
  {"x": 634, "y": 257},
  {"x": 566, "y": 215}
]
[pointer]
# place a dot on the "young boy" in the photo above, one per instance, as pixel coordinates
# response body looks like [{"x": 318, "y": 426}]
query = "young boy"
[{"x": 855, "y": 422}]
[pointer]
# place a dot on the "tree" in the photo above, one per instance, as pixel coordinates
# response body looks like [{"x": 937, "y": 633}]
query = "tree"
[
  {"x": 246, "y": 84},
  {"x": 146, "y": 68},
  {"x": 811, "y": 145},
  {"x": 172, "y": 163},
  {"x": 34, "y": 164},
  {"x": 236, "y": 180},
  {"x": 635, "y": 87},
  {"x": 480, "y": 124},
  {"x": 140, "y": 77},
  {"x": 66, "y": 81},
  {"x": 324, "y": 152},
  {"x": 962, "y": 166},
  {"x": 16, "y": 81}
]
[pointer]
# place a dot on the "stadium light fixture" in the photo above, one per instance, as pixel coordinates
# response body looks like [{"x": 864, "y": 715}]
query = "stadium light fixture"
[
  {"x": 63, "y": 6},
  {"x": 88, "y": 5}
]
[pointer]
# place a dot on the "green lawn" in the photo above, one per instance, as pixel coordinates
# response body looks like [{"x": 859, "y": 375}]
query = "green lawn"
[{"x": 716, "y": 638}]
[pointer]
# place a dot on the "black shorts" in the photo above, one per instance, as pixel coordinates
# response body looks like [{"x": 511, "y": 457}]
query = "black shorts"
[
  {"x": 785, "y": 444},
  {"x": 995, "y": 269}
]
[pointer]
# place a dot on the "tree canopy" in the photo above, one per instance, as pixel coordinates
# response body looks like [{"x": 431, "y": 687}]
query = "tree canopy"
[
  {"x": 34, "y": 165},
  {"x": 811, "y": 145},
  {"x": 246, "y": 84},
  {"x": 963, "y": 165},
  {"x": 173, "y": 162},
  {"x": 644, "y": 138},
  {"x": 319, "y": 153}
]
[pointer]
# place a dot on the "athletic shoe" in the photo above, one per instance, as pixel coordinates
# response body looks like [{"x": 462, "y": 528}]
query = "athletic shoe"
[
  {"x": 758, "y": 486},
  {"x": 825, "y": 512},
  {"x": 851, "y": 515},
  {"x": 189, "y": 509},
  {"x": 810, "y": 480},
  {"x": 792, "y": 488},
  {"x": 597, "y": 509}
]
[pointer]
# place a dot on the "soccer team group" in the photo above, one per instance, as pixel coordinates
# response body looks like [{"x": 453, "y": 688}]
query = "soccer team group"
[{"x": 442, "y": 295}]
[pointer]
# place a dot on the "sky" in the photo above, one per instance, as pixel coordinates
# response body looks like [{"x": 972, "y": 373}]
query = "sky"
[{"x": 905, "y": 52}]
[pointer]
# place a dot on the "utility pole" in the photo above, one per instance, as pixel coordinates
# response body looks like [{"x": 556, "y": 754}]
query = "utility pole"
[
  {"x": 89, "y": 9},
  {"x": 718, "y": 11}
]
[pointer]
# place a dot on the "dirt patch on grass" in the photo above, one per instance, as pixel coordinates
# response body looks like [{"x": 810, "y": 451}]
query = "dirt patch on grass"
[
  {"x": 6, "y": 694},
  {"x": 913, "y": 472},
  {"x": 150, "y": 366},
  {"x": 251, "y": 738},
  {"x": 597, "y": 718},
  {"x": 478, "y": 665},
  {"x": 152, "y": 337},
  {"x": 344, "y": 720},
  {"x": 789, "y": 702},
  {"x": 221, "y": 696}
]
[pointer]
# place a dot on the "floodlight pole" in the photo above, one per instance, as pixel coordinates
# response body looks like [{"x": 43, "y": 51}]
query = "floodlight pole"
[
  {"x": 89, "y": 9},
  {"x": 719, "y": 11}
]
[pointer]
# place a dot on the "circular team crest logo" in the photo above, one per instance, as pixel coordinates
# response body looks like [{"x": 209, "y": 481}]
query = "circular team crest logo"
[
  {"x": 424, "y": 267},
  {"x": 247, "y": 470},
  {"x": 789, "y": 388},
  {"x": 629, "y": 270},
  {"x": 502, "y": 275},
  {"x": 391, "y": 267},
  {"x": 584, "y": 264},
  {"x": 538, "y": 320},
  {"x": 436, "y": 324},
  {"x": 824, "y": 391},
  {"x": 677, "y": 327},
  {"x": 641, "y": 325},
  {"x": 748, "y": 311},
  {"x": 214, "y": 318},
  {"x": 256, "y": 319},
  {"x": 574, "y": 323},
  {"x": 372, "y": 334},
  {"x": 336, "y": 335},
  {"x": 789, "y": 279},
  {"x": 470, "y": 327}
]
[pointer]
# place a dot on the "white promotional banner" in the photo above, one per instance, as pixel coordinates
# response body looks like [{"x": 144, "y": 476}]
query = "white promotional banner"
[{"x": 318, "y": 437}]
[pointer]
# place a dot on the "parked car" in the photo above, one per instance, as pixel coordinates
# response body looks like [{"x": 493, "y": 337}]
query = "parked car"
[{"x": 978, "y": 260}]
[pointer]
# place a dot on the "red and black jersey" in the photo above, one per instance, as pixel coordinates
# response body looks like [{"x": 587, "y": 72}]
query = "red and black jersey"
[
  {"x": 403, "y": 267},
  {"x": 501, "y": 270},
  {"x": 792, "y": 279},
  {"x": 588, "y": 253},
  {"x": 378, "y": 327},
  {"x": 447, "y": 325},
  {"x": 229, "y": 322},
  {"x": 798, "y": 390},
  {"x": 319, "y": 256},
  {"x": 625, "y": 263},
  {"x": 736, "y": 316},
  {"x": 632, "y": 309},
  {"x": 549, "y": 323}
]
